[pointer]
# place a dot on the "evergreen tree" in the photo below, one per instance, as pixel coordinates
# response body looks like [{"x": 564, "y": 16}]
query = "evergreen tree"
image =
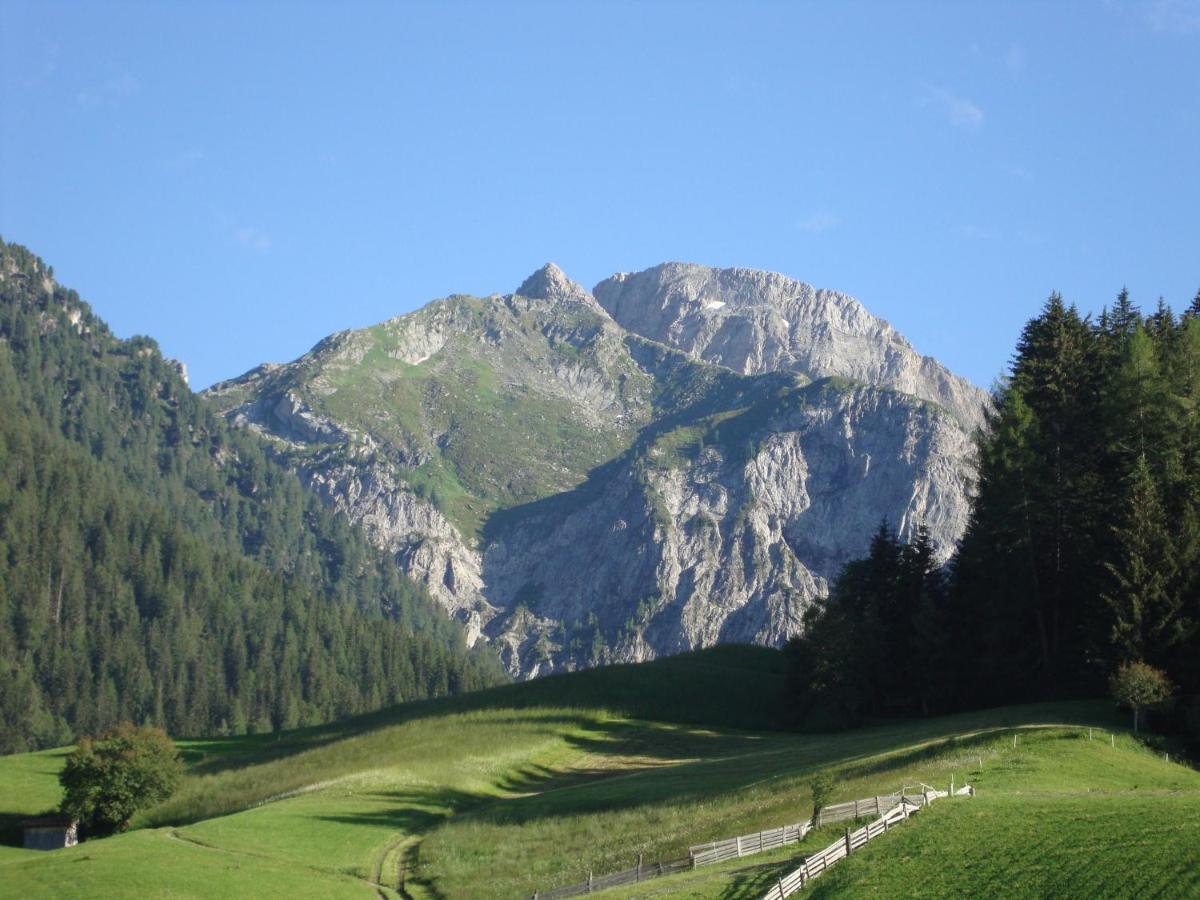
[
  {"x": 1193, "y": 309},
  {"x": 1146, "y": 612},
  {"x": 1047, "y": 594},
  {"x": 874, "y": 646}
]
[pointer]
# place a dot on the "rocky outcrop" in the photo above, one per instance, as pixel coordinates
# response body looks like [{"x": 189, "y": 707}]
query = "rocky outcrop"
[
  {"x": 685, "y": 458},
  {"x": 754, "y": 322},
  {"x": 731, "y": 543},
  {"x": 425, "y": 544},
  {"x": 551, "y": 283}
]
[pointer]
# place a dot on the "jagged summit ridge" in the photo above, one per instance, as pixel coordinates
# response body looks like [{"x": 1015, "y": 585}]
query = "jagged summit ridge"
[{"x": 754, "y": 321}]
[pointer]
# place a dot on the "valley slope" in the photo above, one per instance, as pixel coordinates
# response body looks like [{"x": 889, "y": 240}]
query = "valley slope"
[
  {"x": 684, "y": 457},
  {"x": 158, "y": 565},
  {"x": 530, "y": 786}
]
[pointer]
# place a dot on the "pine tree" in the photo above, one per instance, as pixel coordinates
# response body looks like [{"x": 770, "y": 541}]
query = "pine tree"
[
  {"x": 1193, "y": 309},
  {"x": 1145, "y": 611}
]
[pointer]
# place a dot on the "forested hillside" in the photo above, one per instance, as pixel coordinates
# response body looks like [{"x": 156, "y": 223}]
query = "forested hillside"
[
  {"x": 1083, "y": 548},
  {"x": 157, "y": 565}
]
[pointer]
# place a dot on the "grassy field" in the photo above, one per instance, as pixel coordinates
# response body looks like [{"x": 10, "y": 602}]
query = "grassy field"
[{"x": 530, "y": 786}]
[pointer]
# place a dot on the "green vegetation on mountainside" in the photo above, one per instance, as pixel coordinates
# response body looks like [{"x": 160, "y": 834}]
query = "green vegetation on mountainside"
[
  {"x": 493, "y": 408},
  {"x": 489, "y": 411},
  {"x": 529, "y": 786},
  {"x": 158, "y": 565}
]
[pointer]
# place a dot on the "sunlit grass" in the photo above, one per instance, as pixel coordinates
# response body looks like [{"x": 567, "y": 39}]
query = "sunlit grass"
[{"x": 531, "y": 786}]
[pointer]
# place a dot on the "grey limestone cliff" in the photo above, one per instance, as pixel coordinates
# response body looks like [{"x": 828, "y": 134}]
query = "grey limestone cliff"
[{"x": 753, "y": 322}]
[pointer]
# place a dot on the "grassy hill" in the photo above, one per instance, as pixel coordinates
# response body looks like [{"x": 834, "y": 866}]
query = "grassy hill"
[{"x": 529, "y": 786}]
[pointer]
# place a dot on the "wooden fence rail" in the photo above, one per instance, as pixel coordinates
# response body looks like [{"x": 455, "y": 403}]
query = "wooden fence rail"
[
  {"x": 815, "y": 865},
  {"x": 628, "y": 876},
  {"x": 889, "y": 808}
]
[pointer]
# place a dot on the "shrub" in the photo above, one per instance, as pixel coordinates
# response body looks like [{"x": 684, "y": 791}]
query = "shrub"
[
  {"x": 1138, "y": 685},
  {"x": 110, "y": 777},
  {"x": 822, "y": 785}
]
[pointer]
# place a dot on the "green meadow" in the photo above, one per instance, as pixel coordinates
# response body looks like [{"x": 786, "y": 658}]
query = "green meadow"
[{"x": 530, "y": 786}]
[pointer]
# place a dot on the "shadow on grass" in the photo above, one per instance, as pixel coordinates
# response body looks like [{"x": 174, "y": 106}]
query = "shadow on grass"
[
  {"x": 753, "y": 881},
  {"x": 621, "y": 765},
  {"x": 625, "y": 764},
  {"x": 738, "y": 687},
  {"x": 11, "y": 832}
]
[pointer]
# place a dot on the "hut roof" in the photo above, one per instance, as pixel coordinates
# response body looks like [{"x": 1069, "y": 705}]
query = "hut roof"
[{"x": 48, "y": 822}]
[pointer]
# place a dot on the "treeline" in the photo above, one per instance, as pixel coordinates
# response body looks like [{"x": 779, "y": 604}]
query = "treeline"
[
  {"x": 158, "y": 565},
  {"x": 1083, "y": 547}
]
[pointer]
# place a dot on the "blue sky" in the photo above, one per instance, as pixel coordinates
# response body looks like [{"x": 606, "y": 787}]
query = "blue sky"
[{"x": 239, "y": 180}]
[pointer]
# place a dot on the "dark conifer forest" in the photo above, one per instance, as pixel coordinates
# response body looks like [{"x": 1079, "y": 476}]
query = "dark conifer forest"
[
  {"x": 159, "y": 566},
  {"x": 1082, "y": 548}
]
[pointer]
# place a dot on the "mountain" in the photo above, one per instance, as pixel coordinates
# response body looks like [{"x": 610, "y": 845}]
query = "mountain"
[
  {"x": 682, "y": 457},
  {"x": 755, "y": 322},
  {"x": 157, "y": 564}
]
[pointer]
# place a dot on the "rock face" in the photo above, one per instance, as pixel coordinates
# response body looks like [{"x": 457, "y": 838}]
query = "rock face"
[
  {"x": 753, "y": 322},
  {"x": 687, "y": 456}
]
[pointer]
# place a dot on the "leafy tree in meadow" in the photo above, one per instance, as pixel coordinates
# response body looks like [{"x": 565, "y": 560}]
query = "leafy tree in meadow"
[
  {"x": 108, "y": 778},
  {"x": 1139, "y": 686}
]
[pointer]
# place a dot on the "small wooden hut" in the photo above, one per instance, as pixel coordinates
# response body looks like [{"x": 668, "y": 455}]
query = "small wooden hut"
[{"x": 50, "y": 832}]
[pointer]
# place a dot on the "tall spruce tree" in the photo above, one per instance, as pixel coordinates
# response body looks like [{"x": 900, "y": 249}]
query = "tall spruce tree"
[
  {"x": 1146, "y": 611},
  {"x": 1054, "y": 376}
]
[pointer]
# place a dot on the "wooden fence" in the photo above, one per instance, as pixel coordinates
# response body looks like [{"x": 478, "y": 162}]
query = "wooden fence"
[
  {"x": 756, "y": 842},
  {"x": 815, "y": 865},
  {"x": 887, "y": 806},
  {"x": 634, "y": 875}
]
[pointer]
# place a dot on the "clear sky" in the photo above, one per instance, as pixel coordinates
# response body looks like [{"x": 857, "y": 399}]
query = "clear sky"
[{"x": 239, "y": 180}]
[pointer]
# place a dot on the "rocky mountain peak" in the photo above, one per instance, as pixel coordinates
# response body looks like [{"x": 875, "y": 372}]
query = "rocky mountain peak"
[
  {"x": 576, "y": 490},
  {"x": 755, "y": 322},
  {"x": 551, "y": 283}
]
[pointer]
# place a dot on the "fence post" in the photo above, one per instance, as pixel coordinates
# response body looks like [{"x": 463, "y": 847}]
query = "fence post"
[
  {"x": 1014, "y": 740},
  {"x": 856, "y": 809},
  {"x": 739, "y": 845},
  {"x": 847, "y": 841},
  {"x": 1112, "y": 740},
  {"x": 639, "y": 874},
  {"x": 1089, "y": 734},
  {"x": 589, "y": 881},
  {"x": 781, "y": 891}
]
